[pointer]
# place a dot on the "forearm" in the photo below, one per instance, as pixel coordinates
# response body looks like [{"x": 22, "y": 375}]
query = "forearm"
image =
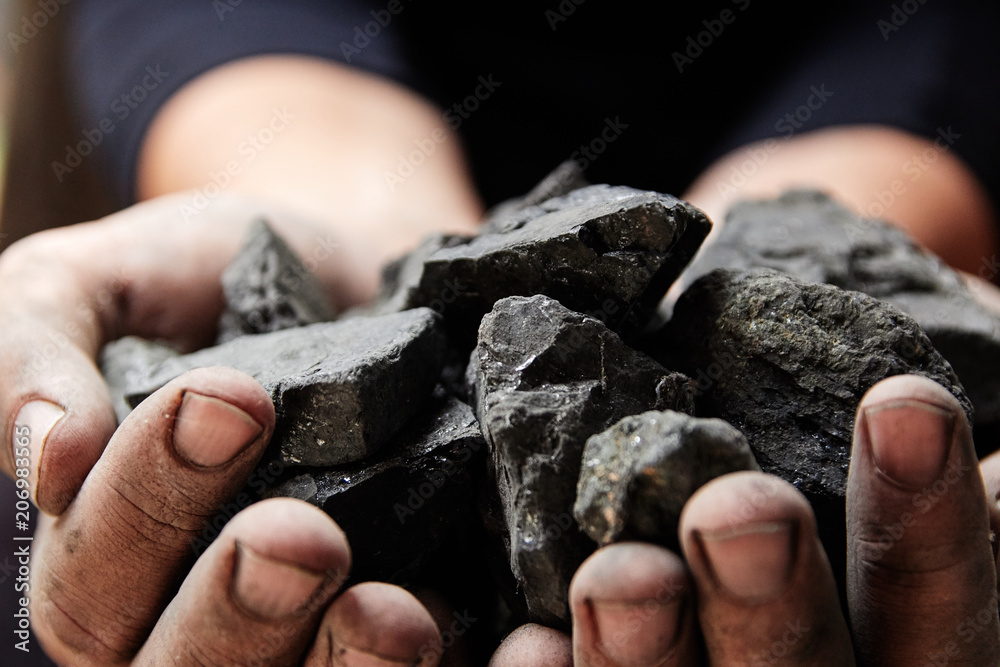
[
  {"x": 323, "y": 141},
  {"x": 879, "y": 172}
]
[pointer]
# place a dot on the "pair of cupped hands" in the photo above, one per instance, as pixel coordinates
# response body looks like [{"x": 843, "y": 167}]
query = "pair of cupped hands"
[{"x": 114, "y": 579}]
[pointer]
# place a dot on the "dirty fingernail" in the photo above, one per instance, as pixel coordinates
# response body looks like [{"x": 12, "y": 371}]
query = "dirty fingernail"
[
  {"x": 910, "y": 440},
  {"x": 272, "y": 589},
  {"x": 753, "y": 563},
  {"x": 209, "y": 432},
  {"x": 32, "y": 426},
  {"x": 640, "y": 632}
]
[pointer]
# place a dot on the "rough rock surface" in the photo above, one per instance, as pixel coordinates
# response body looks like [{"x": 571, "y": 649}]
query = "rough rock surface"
[
  {"x": 637, "y": 475},
  {"x": 544, "y": 379},
  {"x": 812, "y": 237},
  {"x": 787, "y": 363},
  {"x": 340, "y": 389},
  {"x": 268, "y": 288},
  {"x": 399, "y": 506},
  {"x": 510, "y": 214},
  {"x": 608, "y": 251},
  {"x": 122, "y": 364}
]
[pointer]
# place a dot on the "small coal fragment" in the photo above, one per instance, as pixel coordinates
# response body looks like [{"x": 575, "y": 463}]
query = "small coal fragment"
[
  {"x": 811, "y": 237},
  {"x": 608, "y": 251},
  {"x": 340, "y": 389},
  {"x": 120, "y": 363},
  {"x": 268, "y": 288},
  {"x": 544, "y": 379},
  {"x": 399, "y": 506},
  {"x": 507, "y": 216},
  {"x": 637, "y": 475}
]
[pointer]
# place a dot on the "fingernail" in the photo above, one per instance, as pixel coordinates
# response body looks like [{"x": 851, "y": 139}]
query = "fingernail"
[
  {"x": 272, "y": 589},
  {"x": 754, "y": 562},
  {"x": 910, "y": 440},
  {"x": 348, "y": 656},
  {"x": 639, "y": 632},
  {"x": 32, "y": 426},
  {"x": 209, "y": 432}
]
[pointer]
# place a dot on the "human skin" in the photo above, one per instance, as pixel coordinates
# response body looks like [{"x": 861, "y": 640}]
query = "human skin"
[{"x": 327, "y": 169}]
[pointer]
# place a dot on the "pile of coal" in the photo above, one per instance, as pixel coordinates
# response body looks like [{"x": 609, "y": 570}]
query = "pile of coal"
[
  {"x": 544, "y": 379},
  {"x": 808, "y": 235},
  {"x": 508, "y": 397}
]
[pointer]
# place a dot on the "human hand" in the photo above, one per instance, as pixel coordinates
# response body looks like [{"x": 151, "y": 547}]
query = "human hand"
[
  {"x": 152, "y": 270},
  {"x": 105, "y": 572},
  {"x": 757, "y": 588}
]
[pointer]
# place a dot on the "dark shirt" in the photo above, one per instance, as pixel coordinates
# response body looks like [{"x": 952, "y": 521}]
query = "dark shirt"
[{"x": 677, "y": 86}]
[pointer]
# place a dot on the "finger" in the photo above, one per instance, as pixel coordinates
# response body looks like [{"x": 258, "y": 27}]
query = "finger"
[
  {"x": 376, "y": 625},
  {"x": 150, "y": 271},
  {"x": 108, "y": 565},
  {"x": 534, "y": 645},
  {"x": 255, "y": 597},
  {"x": 921, "y": 573},
  {"x": 632, "y": 606},
  {"x": 766, "y": 593},
  {"x": 990, "y": 467}
]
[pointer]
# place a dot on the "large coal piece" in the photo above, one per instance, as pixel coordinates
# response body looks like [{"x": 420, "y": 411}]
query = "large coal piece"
[
  {"x": 808, "y": 235},
  {"x": 544, "y": 379}
]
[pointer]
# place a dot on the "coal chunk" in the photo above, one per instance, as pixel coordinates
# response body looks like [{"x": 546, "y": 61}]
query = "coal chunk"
[
  {"x": 608, "y": 251},
  {"x": 808, "y": 235},
  {"x": 544, "y": 379},
  {"x": 268, "y": 288},
  {"x": 787, "y": 362},
  {"x": 510, "y": 214},
  {"x": 340, "y": 389},
  {"x": 637, "y": 475},
  {"x": 398, "y": 507},
  {"x": 122, "y": 362}
]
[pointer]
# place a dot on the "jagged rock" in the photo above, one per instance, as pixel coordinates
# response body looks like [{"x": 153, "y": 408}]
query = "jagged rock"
[
  {"x": 268, "y": 288},
  {"x": 399, "y": 506},
  {"x": 812, "y": 237},
  {"x": 787, "y": 362},
  {"x": 792, "y": 360},
  {"x": 507, "y": 215},
  {"x": 608, "y": 251},
  {"x": 544, "y": 379},
  {"x": 121, "y": 363},
  {"x": 637, "y": 475},
  {"x": 340, "y": 389}
]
